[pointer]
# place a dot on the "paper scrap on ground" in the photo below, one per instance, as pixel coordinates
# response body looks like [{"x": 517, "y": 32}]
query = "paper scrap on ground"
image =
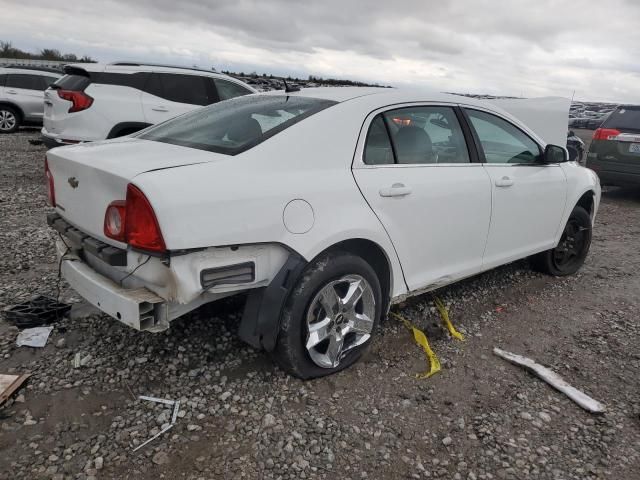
[
  {"x": 9, "y": 384},
  {"x": 33, "y": 337},
  {"x": 553, "y": 379}
]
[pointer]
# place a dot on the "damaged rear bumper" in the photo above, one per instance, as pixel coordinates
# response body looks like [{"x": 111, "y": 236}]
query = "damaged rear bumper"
[{"x": 138, "y": 308}]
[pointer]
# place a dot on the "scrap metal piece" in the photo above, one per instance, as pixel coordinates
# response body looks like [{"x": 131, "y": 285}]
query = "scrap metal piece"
[
  {"x": 174, "y": 416},
  {"x": 553, "y": 379},
  {"x": 157, "y": 400},
  {"x": 168, "y": 427}
]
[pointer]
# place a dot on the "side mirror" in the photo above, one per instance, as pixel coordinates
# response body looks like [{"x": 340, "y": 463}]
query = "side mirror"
[
  {"x": 555, "y": 154},
  {"x": 572, "y": 133}
]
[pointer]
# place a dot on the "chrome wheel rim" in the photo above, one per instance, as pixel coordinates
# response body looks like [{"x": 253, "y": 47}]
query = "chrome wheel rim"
[
  {"x": 340, "y": 318},
  {"x": 7, "y": 120}
]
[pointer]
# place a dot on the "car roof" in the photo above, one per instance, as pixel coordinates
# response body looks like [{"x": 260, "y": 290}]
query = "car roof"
[
  {"x": 383, "y": 95},
  {"x": 143, "y": 67},
  {"x": 29, "y": 71}
]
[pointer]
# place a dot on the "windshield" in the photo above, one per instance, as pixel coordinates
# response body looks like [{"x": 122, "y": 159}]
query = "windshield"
[{"x": 236, "y": 125}]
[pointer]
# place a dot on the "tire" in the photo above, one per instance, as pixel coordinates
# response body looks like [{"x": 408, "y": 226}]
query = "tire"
[
  {"x": 9, "y": 119},
  {"x": 570, "y": 253},
  {"x": 333, "y": 273}
]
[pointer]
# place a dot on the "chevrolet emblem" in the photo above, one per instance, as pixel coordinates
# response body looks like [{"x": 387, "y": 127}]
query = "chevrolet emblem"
[{"x": 73, "y": 182}]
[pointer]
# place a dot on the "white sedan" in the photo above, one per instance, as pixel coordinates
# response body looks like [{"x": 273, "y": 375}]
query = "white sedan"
[{"x": 325, "y": 205}]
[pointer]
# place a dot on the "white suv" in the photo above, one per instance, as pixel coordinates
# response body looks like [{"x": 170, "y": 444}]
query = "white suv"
[
  {"x": 21, "y": 96},
  {"x": 100, "y": 101}
]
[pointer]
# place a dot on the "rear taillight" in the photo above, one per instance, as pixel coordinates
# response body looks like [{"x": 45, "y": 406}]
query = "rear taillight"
[
  {"x": 133, "y": 221},
  {"x": 605, "y": 134},
  {"x": 51, "y": 191},
  {"x": 80, "y": 100},
  {"x": 114, "y": 220}
]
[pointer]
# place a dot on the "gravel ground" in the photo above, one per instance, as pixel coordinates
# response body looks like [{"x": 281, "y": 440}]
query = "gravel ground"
[{"x": 241, "y": 417}]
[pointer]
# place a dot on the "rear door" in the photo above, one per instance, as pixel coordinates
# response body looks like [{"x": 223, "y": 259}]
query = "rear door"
[
  {"x": 26, "y": 91},
  {"x": 3, "y": 79},
  {"x": 167, "y": 95},
  {"x": 528, "y": 197},
  {"x": 417, "y": 174}
]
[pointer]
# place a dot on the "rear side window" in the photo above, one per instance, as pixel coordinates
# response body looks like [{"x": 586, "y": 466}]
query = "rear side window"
[
  {"x": 191, "y": 89},
  {"x": 27, "y": 82},
  {"x": 236, "y": 125},
  {"x": 3, "y": 79},
  {"x": 503, "y": 142},
  {"x": 378, "y": 149},
  {"x": 227, "y": 90},
  {"x": 419, "y": 135},
  {"x": 624, "y": 118},
  {"x": 72, "y": 82},
  {"x": 48, "y": 81}
]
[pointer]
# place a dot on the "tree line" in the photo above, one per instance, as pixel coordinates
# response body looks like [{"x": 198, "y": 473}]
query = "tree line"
[{"x": 7, "y": 50}]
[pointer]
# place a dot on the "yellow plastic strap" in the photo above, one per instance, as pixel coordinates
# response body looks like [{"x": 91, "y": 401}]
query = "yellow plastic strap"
[
  {"x": 445, "y": 319},
  {"x": 421, "y": 339}
]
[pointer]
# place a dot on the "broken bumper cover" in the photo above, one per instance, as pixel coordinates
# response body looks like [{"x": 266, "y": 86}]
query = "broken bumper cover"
[{"x": 138, "y": 308}]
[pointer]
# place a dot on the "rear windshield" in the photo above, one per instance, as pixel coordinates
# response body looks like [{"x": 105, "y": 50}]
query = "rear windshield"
[
  {"x": 236, "y": 125},
  {"x": 72, "y": 82},
  {"x": 624, "y": 118}
]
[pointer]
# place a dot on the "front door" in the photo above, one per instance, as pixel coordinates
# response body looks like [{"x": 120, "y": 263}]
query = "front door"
[
  {"x": 435, "y": 204},
  {"x": 528, "y": 196}
]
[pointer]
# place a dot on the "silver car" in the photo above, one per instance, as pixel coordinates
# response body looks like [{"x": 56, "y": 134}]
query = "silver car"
[{"x": 22, "y": 96}]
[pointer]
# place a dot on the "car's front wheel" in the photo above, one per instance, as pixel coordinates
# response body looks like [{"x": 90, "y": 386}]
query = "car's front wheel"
[
  {"x": 571, "y": 251},
  {"x": 329, "y": 319},
  {"x": 9, "y": 120}
]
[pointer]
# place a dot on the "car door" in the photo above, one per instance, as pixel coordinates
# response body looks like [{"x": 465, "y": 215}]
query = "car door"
[
  {"x": 26, "y": 91},
  {"x": 417, "y": 174},
  {"x": 167, "y": 95},
  {"x": 528, "y": 196}
]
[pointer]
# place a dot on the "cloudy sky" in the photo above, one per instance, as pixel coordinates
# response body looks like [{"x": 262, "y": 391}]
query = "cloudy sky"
[{"x": 514, "y": 47}]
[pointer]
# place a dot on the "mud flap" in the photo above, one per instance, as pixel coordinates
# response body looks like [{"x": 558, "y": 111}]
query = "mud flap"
[{"x": 261, "y": 318}]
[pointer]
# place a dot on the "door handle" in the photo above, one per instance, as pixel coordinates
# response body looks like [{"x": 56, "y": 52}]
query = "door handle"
[
  {"x": 504, "y": 182},
  {"x": 12, "y": 92},
  {"x": 160, "y": 109},
  {"x": 395, "y": 190}
]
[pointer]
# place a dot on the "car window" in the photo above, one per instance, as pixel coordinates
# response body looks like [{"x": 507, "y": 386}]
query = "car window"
[
  {"x": 227, "y": 90},
  {"x": 378, "y": 150},
  {"x": 21, "y": 80},
  {"x": 3, "y": 79},
  {"x": 46, "y": 82},
  {"x": 503, "y": 142},
  {"x": 423, "y": 135},
  {"x": 624, "y": 118},
  {"x": 180, "y": 88},
  {"x": 236, "y": 125},
  {"x": 73, "y": 82}
]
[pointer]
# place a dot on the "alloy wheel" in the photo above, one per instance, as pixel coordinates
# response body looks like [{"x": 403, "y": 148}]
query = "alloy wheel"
[
  {"x": 340, "y": 318},
  {"x": 7, "y": 120}
]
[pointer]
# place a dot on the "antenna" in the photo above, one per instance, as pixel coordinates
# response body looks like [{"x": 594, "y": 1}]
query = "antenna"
[{"x": 289, "y": 89}]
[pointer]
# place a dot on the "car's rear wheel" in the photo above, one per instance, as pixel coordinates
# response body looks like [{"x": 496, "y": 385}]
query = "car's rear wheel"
[
  {"x": 570, "y": 253},
  {"x": 9, "y": 120},
  {"x": 328, "y": 320}
]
